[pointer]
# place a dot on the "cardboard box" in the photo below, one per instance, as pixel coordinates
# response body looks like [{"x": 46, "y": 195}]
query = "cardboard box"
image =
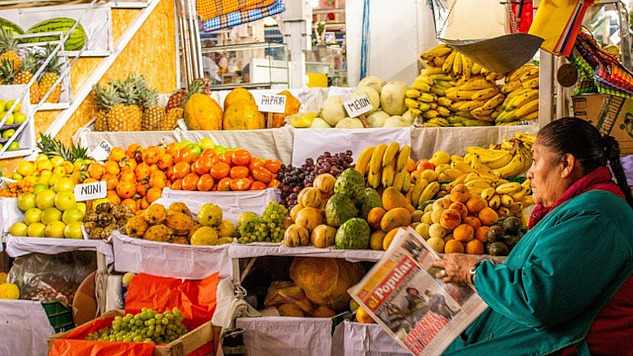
[
  {"x": 184, "y": 345},
  {"x": 610, "y": 114}
]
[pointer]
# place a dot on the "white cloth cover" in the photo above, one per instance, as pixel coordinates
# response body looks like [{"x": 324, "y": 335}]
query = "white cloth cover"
[
  {"x": 313, "y": 142},
  {"x": 19, "y": 246},
  {"x": 232, "y": 203},
  {"x": 9, "y": 214},
  {"x": 287, "y": 336},
  {"x": 356, "y": 339},
  {"x": 270, "y": 249},
  {"x": 170, "y": 260},
  {"x": 24, "y": 327}
]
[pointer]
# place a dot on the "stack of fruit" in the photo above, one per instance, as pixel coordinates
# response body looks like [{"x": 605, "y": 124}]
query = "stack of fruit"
[
  {"x": 13, "y": 121},
  {"x": 270, "y": 227},
  {"x": 521, "y": 103},
  {"x": 463, "y": 222},
  {"x": 455, "y": 91},
  {"x": 176, "y": 225},
  {"x": 293, "y": 179},
  {"x": 146, "y": 326},
  {"x": 106, "y": 217},
  {"x": 387, "y": 101},
  {"x": 50, "y": 212}
]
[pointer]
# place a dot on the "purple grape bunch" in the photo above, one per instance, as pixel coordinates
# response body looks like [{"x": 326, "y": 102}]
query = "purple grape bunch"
[{"x": 293, "y": 179}]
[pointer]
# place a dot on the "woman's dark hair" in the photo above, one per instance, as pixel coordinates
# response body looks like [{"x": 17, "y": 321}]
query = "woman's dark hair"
[{"x": 592, "y": 150}]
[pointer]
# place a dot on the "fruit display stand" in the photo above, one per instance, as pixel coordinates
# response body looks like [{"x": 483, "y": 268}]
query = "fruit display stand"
[
  {"x": 26, "y": 130},
  {"x": 96, "y": 21},
  {"x": 23, "y": 326},
  {"x": 356, "y": 339},
  {"x": 169, "y": 260}
]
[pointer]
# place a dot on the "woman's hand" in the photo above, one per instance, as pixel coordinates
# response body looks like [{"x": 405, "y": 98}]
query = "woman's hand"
[{"x": 455, "y": 267}]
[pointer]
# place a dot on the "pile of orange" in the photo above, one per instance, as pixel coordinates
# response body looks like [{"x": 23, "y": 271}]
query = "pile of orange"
[{"x": 136, "y": 176}]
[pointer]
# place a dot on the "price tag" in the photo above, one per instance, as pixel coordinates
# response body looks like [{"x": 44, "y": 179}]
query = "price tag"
[
  {"x": 102, "y": 151},
  {"x": 91, "y": 191},
  {"x": 272, "y": 103},
  {"x": 358, "y": 105}
]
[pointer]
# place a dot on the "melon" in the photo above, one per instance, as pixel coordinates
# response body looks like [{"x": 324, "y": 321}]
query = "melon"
[
  {"x": 372, "y": 82},
  {"x": 377, "y": 118},
  {"x": 319, "y": 123},
  {"x": 372, "y": 95},
  {"x": 333, "y": 111},
  {"x": 349, "y": 123},
  {"x": 392, "y": 98}
]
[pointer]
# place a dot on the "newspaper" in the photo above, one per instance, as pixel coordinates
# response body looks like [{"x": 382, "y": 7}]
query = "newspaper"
[{"x": 402, "y": 294}]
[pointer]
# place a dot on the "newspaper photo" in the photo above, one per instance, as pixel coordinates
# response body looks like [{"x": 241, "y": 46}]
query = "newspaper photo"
[{"x": 402, "y": 294}]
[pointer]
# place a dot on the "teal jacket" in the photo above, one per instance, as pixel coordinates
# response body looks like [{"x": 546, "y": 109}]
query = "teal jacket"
[{"x": 555, "y": 281}]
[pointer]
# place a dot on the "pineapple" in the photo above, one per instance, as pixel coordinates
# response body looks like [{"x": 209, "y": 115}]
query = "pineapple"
[
  {"x": 54, "y": 147},
  {"x": 205, "y": 84},
  {"x": 153, "y": 114},
  {"x": 24, "y": 76},
  {"x": 9, "y": 48},
  {"x": 7, "y": 72},
  {"x": 105, "y": 99},
  {"x": 127, "y": 115},
  {"x": 171, "y": 121},
  {"x": 176, "y": 100},
  {"x": 50, "y": 76}
]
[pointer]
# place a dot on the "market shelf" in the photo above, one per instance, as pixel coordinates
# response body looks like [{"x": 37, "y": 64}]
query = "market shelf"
[
  {"x": 272, "y": 249},
  {"x": 19, "y": 246},
  {"x": 53, "y": 106}
]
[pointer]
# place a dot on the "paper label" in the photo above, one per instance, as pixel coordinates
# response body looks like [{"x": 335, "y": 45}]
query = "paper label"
[
  {"x": 358, "y": 106},
  {"x": 102, "y": 151},
  {"x": 91, "y": 191},
  {"x": 272, "y": 103}
]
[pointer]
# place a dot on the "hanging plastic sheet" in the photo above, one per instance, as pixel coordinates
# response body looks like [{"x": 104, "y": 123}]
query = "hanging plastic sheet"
[
  {"x": 558, "y": 23},
  {"x": 208, "y": 9},
  {"x": 242, "y": 16}
]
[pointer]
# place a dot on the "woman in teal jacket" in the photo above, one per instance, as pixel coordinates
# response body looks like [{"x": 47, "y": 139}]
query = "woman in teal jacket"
[{"x": 566, "y": 287}]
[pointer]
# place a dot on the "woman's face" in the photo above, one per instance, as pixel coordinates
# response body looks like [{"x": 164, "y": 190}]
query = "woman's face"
[{"x": 546, "y": 175}]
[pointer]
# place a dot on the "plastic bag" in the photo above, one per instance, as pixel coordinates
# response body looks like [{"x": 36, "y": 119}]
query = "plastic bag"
[
  {"x": 325, "y": 280},
  {"x": 52, "y": 277}
]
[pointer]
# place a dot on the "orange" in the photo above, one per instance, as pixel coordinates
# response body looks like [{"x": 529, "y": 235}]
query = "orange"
[
  {"x": 190, "y": 181},
  {"x": 257, "y": 185},
  {"x": 475, "y": 247},
  {"x": 453, "y": 246},
  {"x": 239, "y": 172},
  {"x": 181, "y": 169},
  {"x": 205, "y": 183},
  {"x": 464, "y": 233},
  {"x": 481, "y": 234},
  {"x": 220, "y": 170},
  {"x": 224, "y": 184}
]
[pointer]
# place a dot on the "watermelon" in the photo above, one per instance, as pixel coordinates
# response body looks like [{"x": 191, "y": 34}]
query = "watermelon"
[
  {"x": 8, "y": 25},
  {"x": 75, "y": 42}
]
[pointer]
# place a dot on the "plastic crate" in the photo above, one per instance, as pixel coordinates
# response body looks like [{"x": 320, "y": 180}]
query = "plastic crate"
[{"x": 60, "y": 316}]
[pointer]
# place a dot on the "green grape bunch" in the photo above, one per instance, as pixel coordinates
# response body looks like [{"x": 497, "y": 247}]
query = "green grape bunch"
[
  {"x": 268, "y": 228},
  {"x": 146, "y": 326}
]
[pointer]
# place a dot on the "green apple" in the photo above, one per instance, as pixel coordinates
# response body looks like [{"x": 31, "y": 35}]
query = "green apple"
[
  {"x": 196, "y": 150},
  {"x": 206, "y": 142},
  {"x": 73, "y": 231},
  {"x": 65, "y": 200},
  {"x": 18, "y": 118},
  {"x": 10, "y": 119},
  {"x": 3, "y": 105},
  {"x": 10, "y": 104},
  {"x": 14, "y": 146},
  {"x": 64, "y": 184},
  {"x": 51, "y": 214},
  {"x": 45, "y": 199},
  {"x": 37, "y": 188},
  {"x": 72, "y": 215},
  {"x": 82, "y": 207},
  {"x": 19, "y": 229},
  {"x": 55, "y": 229},
  {"x": 8, "y": 133},
  {"x": 26, "y": 201},
  {"x": 37, "y": 230},
  {"x": 32, "y": 216},
  {"x": 185, "y": 143}
]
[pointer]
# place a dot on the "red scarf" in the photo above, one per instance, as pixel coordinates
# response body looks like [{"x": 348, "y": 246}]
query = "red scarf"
[{"x": 600, "y": 179}]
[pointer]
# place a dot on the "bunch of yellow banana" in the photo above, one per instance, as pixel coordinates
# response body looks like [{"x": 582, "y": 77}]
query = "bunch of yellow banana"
[
  {"x": 386, "y": 165},
  {"x": 467, "y": 170},
  {"x": 508, "y": 198},
  {"x": 510, "y": 158},
  {"x": 522, "y": 94},
  {"x": 421, "y": 98}
]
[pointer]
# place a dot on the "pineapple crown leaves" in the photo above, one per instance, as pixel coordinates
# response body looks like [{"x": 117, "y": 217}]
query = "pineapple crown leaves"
[
  {"x": 7, "y": 41},
  {"x": 195, "y": 87},
  {"x": 54, "y": 147},
  {"x": 149, "y": 98},
  {"x": 30, "y": 63},
  {"x": 7, "y": 71},
  {"x": 105, "y": 97},
  {"x": 54, "y": 66}
]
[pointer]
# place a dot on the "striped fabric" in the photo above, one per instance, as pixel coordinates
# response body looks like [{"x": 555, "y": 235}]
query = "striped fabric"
[
  {"x": 208, "y": 9},
  {"x": 240, "y": 17}
]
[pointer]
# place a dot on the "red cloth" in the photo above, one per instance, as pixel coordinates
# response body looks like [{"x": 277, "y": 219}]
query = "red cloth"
[
  {"x": 612, "y": 331},
  {"x": 600, "y": 179}
]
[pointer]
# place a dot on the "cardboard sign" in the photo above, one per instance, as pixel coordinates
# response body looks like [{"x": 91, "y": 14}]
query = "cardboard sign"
[
  {"x": 91, "y": 191},
  {"x": 102, "y": 151},
  {"x": 358, "y": 106},
  {"x": 272, "y": 103}
]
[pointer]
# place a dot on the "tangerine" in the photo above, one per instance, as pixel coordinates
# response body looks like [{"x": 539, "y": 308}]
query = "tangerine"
[
  {"x": 241, "y": 157},
  {"x": 202, "y": 165},
  {"x": 184, "y": 155},
  {"x": 177, "y": 184},
  {"x": 224, "y": 184},
  {"x": 240, "y": 184},
  {"x": 181, "y": 169},
  {"x": 257, "y": 185},
  {"x": 273, "y": 165},
  {"x": 239, "y": 172},
  {"x": 220, "y": 170},
  {"x": 190, "y": 181},
  {"x": 205, "y": 183}
]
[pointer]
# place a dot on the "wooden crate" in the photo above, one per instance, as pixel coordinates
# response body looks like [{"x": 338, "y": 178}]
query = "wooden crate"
[{"x": 184, "y": 345}]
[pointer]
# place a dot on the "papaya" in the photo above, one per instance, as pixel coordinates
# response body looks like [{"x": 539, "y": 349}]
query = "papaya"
[
  {"x": 203, "y": 113},
  {"x": 388, "y": 238},
  {"x": 292, "y": 107},
  {"x": 236, "y": 95},
  {"x": 392, "y": 198},
  {"x": 243, "y": 115},
  {"x": 395, "y": 218}
]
